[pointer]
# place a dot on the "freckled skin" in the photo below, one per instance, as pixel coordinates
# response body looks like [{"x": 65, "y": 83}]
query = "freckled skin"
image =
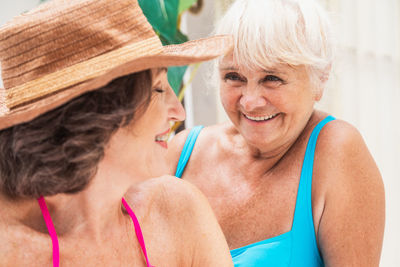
[
  {"x": 250, "y": 170},
  {"x": 282, "y": 90}
]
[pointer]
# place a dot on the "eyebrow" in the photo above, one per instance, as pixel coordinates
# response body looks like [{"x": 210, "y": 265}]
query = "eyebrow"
[
  {"x": 159, "y": 70},
  {"x": 229, "y": 68},
  {"x": 271, "y": 71}
]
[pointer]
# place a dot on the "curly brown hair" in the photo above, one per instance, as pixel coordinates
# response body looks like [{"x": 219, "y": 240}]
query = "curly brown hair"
[{"x": 58, "y": 152}]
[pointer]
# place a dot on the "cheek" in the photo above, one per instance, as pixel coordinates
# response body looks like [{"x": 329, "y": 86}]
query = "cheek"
[
  {"x": 293, "y": 99},
  {"x": 306, "y": 97},
  {"x": 229, "y": 97}
]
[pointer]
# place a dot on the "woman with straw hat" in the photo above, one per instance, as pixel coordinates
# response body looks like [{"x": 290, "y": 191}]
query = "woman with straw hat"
[{"x": 84, "y": 117}]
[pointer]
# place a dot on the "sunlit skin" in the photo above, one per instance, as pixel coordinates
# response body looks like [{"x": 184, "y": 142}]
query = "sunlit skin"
[
  {"x": 163, "y": 109},
  {"x": 92, "y": 227},
  {"x": 283, "y": 92},
  {"x": 250, "y": 169}
]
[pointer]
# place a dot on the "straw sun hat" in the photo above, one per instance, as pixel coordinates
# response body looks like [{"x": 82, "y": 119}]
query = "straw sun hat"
[{"x": 65, "y": 48}]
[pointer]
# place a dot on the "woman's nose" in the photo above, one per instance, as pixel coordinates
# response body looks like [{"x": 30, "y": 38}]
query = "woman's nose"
[
  {"x": 176, "y": 112},
  {"x": 252, "y": 99}
]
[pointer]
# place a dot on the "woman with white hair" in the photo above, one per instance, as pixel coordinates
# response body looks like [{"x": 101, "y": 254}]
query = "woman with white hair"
[{"x": 290, "y": 185}]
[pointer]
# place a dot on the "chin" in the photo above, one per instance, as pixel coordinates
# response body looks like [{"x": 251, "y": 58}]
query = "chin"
[
  {"x": 257, "y": 143},
  {"x": 257, "y": 139}
]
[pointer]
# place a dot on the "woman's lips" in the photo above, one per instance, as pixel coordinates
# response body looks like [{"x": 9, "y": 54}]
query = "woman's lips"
[
  {"x": 260, "y": 119},
  {"x": 164, "y": 133},
  {"x": 162, "y": 143},
  {"x": 162, "y": 138}
]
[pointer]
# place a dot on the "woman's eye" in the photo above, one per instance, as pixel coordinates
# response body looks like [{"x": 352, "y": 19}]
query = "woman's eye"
[
  {"x": 272, "y": 78},
  {"x": 159, "y": 90},
  {"x": 233, "y": 77}
]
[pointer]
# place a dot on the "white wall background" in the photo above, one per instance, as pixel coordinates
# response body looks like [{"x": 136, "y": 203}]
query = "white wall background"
[
  {"x": 365, "y": 89},
  {"x": 366, "y": 92}
]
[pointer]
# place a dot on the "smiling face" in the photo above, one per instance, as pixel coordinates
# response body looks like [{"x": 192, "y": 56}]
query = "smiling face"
[
  {"x": 269, "y": 107},
  {"x": 151, "y": 130}
]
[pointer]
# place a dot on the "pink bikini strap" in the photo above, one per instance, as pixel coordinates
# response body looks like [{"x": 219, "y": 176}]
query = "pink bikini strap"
[
  {"x": 138, "y": 231},
  {"x": 54, "y": 239},
  {"x": 51, "y": 230}
]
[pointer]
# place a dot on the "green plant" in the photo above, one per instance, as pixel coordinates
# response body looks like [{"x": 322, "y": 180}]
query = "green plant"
[{"x": 164, "y": 16}]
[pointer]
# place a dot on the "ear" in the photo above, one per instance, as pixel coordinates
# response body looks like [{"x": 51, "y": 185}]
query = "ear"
[
  {"x": 318, "y": 94},
  {"x": 324, "y": 76}
]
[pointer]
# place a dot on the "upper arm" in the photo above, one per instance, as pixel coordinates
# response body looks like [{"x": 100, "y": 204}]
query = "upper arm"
[
  {"x": 175, "y": 147},
  {"x": 200, "y": 235},
  {"x": 184, "y": 221},
  {"x": 351, "y": 226},
  {"x": 211, "y": 247}
]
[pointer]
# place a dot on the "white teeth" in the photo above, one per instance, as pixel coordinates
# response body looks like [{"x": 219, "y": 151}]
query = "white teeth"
[
  {"x": 162, "y": 138},
  {"x": 264, "y": 118}
]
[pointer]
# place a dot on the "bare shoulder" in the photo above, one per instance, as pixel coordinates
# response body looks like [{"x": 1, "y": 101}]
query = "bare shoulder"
[
  {"x": 176, "y": 144},
  {"x": 168, "y": 195},
  {"x": 22, "y": 247},
  {"x": 338, "y": 135},
  {"x": 9, "y": 246},
  {"x": 183, "y": 212},
  {"x": 175, "y": 147},
  {"x": 341, "y": 147},
  {"x": 208, "y": 135},
  {"x": 351, "y": 224},
  {"x": 343, "y": 161}
]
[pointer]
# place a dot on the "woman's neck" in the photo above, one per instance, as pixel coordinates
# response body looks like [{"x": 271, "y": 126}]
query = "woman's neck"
[
  {"x": 261, "y": 159},
  {"x": 91, "y": 211},
  {"x": 265, "y": 159}
]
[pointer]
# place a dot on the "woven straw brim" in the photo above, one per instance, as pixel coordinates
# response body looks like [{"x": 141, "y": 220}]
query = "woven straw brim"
[{"x": 77, "y": 80}]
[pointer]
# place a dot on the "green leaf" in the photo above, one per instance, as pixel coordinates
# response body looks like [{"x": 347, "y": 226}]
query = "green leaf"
[
  {"x": 185, "y": 4},
  {"x": 163, "y": 16},
  {"x": 177, "y": 39},
  {"x": 175, "y": 77},
  {"x": 180, "y": 37}
]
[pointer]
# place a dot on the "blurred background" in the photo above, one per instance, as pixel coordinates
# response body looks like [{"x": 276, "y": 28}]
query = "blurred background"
[{"x": 364, "y": 88}]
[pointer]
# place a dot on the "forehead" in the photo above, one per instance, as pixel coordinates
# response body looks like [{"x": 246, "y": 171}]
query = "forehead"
[
  {"x": 229, "y": 63},
  {"x": 158, "y": 71},
  {"x": 158, "y": 74}
]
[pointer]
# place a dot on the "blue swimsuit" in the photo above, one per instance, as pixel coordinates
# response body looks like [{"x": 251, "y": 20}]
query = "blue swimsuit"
[{"x": 298, "y": 247}]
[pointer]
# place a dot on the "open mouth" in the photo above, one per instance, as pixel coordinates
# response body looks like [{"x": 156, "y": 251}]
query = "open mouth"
[
  {"x": 162, "y": 139},
  {"x": 260, "y": 118}
]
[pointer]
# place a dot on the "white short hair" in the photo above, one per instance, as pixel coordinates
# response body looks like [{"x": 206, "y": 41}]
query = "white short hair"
[{"x": 268, "y": 32}]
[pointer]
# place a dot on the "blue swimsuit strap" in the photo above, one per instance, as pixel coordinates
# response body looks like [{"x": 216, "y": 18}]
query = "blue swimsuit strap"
[
  {"x": 187, "y": 150},
  {"x": 303, "y": 224}
]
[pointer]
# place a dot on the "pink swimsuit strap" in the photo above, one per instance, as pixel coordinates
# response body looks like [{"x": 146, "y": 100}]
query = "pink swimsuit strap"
[
  {"x": 54, "y": 239},
  {"x": 138, "y": 230},
  {"x": 51, "y": 230}
]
